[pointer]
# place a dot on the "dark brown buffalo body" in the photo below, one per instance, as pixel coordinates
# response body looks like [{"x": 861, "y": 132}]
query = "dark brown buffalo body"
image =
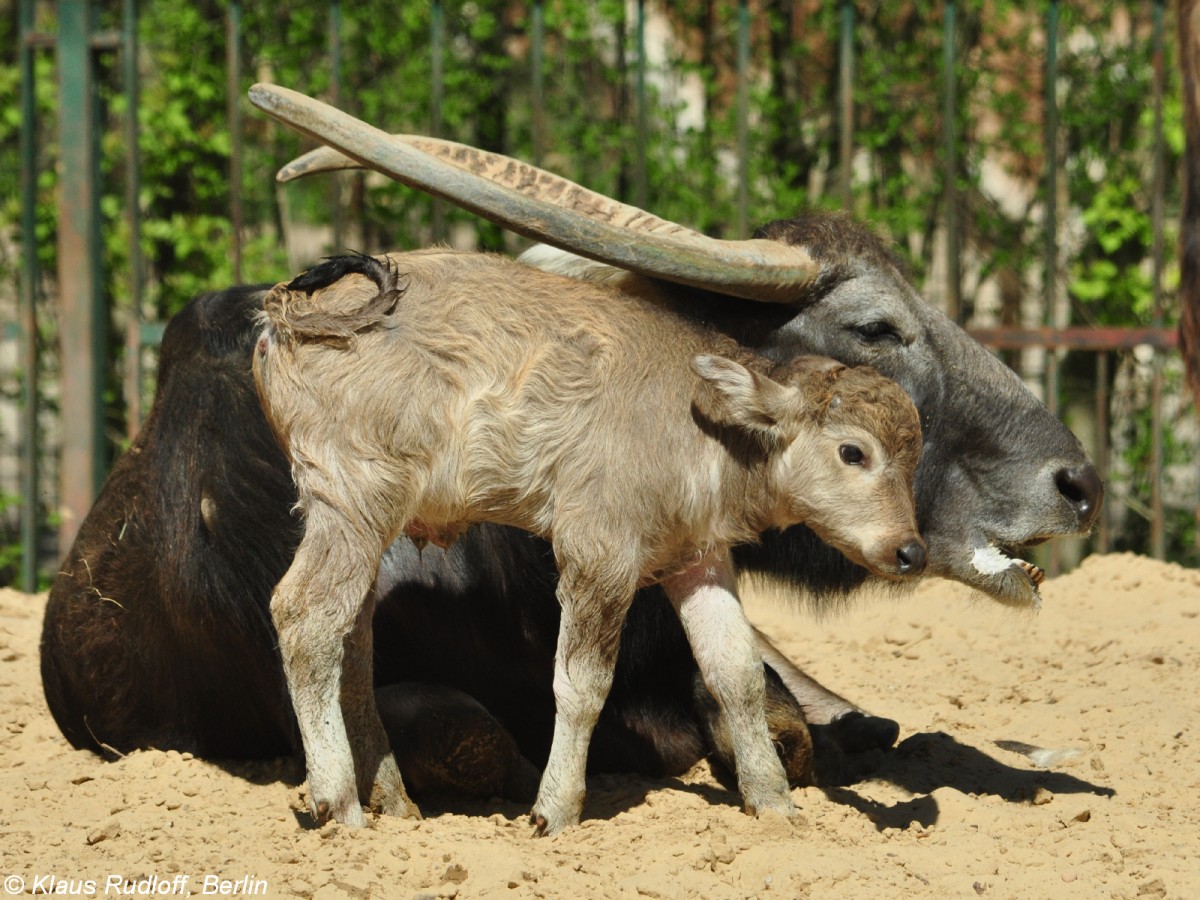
[{"x": 158, "y": 633}]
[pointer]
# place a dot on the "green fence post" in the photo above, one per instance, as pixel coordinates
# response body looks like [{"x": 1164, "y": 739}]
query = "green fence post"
[
  {"x": 1158, "y": 539},
  {"x": 84, "y": 321},
  {"x": 30, "y": 519},
  {"x": 950, "y": 166},
  {"x": 133, "y": 334},
  {"x": 233, "y": 74},
  {"x": 437, "y": 39},
  {"x": 335, "y": 99},
  {"x": 846, "y": 103},
  {"x": 743, "y": 118}
]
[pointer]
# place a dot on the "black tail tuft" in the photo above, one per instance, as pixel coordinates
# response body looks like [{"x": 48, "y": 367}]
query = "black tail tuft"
[{"x": 335, "y": 268}]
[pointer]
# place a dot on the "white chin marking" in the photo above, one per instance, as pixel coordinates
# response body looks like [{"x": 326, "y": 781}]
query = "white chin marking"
[{"x": 990, "y": 561}]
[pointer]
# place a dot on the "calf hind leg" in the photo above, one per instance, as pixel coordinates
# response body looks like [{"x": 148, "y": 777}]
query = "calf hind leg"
[
  {"x": 316, "y": 607},
  {"x": 379, "y": 784}
]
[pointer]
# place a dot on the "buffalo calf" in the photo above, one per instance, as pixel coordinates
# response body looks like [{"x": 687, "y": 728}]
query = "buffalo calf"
[{"x": 444, "y": 389}]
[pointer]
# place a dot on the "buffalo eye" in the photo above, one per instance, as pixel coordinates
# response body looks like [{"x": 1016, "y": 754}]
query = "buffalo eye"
[
  {"x": 852, "y": 454},
  {"x": 877, "y": 332}
]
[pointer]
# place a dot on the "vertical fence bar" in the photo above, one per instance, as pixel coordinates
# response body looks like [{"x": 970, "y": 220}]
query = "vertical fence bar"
[
  {"x": 437, "y": 39},
  {"x": 950, "y": 165},
  {"x": 1158, "y": 541},
  {"x": 29, "y": 334},
  {"x": 743, "y": 118},
  {"x": 133, "y": 334},
  {"x": 84, "y": 319},
  {"x": 538, "y": 86},
  {"x": 639, "y": 162},
  {"x": 1102, "y": 357},
  {"x": 846, "y": 102},
  {"x": 233, "y": 65},
  {"x": 1050, "y": 289},
  {"x": 335, "y": 98}
]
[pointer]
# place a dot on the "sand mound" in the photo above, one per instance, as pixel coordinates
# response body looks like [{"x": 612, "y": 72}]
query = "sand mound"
[{"x": 1107, "y": 675}]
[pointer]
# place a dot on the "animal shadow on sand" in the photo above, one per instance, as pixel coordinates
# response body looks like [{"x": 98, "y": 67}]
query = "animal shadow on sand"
[
  {"x": 924, "y": 762},
  {"x": 608, "y": 795}
]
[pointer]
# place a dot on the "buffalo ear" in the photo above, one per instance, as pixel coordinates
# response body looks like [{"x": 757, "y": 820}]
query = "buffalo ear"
[{"x": 741, "y": 398}]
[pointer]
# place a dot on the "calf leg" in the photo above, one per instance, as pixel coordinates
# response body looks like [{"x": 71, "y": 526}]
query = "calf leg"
[
  {"x": 315, "y": 607},
  {"x": 589, "y": 634},
  {"x": 378, "y": 778},
  {"x": 723, "y": 643}
]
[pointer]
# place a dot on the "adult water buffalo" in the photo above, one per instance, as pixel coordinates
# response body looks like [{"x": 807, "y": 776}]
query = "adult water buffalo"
[{"x": 157, "y": 631}]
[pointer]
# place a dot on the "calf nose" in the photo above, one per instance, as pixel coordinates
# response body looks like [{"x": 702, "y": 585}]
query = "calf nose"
[
  {"x": 1082, "y": 488},
  {"x": 910, "y": 558}
]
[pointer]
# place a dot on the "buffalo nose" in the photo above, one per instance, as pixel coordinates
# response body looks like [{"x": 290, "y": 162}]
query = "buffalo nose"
[
  {"x": 1082, "y": 488},
  {"x": 910, "y": 558}
]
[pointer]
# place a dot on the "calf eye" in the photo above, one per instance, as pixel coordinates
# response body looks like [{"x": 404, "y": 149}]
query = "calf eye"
[{"x": 851, "y": 454}]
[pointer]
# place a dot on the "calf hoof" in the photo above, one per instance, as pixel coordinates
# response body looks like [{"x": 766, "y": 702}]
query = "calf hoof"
[
  {"x": 349, "y": 814},
  {"x": 770, "y": 802},
  {"x": 547, "y": 822},
  {"x": 388, "y": 797},
  {"x": 545, "y": 827},
  {"x": 446, "y": 742},
  {"x": 857, "y": 732}
]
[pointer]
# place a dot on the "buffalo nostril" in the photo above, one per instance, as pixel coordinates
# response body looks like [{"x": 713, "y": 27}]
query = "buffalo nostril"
[
  {"x": 1082, "y": 488},
  {"x": 911, "y": 558}
]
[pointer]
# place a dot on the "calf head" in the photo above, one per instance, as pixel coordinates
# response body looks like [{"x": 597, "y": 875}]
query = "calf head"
[{"x": 841, "y": 448}]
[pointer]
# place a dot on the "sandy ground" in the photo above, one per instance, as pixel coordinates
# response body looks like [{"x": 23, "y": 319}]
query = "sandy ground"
[{"x": 1110, "y": 669}]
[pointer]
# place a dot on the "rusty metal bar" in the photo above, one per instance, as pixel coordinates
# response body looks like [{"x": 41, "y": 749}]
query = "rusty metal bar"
[
  {"x": 1050, "y": 314},
  {"x": 639, "y": 163},
  {"x": 335, "y": 99},
  {"x": 1158, "y": 540},
  {"x": 233, "y": 66},
  {"x": 950, "y": 165},
  {"x": 30, "y": 518},
  {"x": 1102, "y": 533},
  {"x": 1076, "y": 338},
  {"x": 84, "y": 320},
  {"x": 1050, "y": 288},
  {"x": 437, "y": 40},
  {"x": 743, "y": 119},
  {"x": 133, "y": 332},
  {"x": 538, "y": 86},
  {"x": 846, "y": 103}
]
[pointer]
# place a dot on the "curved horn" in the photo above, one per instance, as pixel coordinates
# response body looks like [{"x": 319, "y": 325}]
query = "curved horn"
[{"x": 545, "y": 207}]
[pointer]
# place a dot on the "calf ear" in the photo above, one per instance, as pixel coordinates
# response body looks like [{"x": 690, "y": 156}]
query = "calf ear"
[{"x": 742, "y": 398}]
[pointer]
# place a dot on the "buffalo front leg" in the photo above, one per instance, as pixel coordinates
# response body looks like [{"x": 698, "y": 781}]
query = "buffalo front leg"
[
  {"x": 723, "y": 643},
  {"x": 853, "y": 729},
  {"x": 589, "y": 635}
]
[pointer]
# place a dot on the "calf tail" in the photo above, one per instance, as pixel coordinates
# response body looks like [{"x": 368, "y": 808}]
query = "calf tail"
[{"x": 315, "y": 307}]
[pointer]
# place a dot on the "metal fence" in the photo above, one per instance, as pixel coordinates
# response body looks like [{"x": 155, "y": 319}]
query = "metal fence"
[{"x": 84, "y": 316}]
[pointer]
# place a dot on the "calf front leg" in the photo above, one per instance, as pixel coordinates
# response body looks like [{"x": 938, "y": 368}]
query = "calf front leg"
[
  {"x": 723, "y": 643},
  {"x": 589, "y": 634}
]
